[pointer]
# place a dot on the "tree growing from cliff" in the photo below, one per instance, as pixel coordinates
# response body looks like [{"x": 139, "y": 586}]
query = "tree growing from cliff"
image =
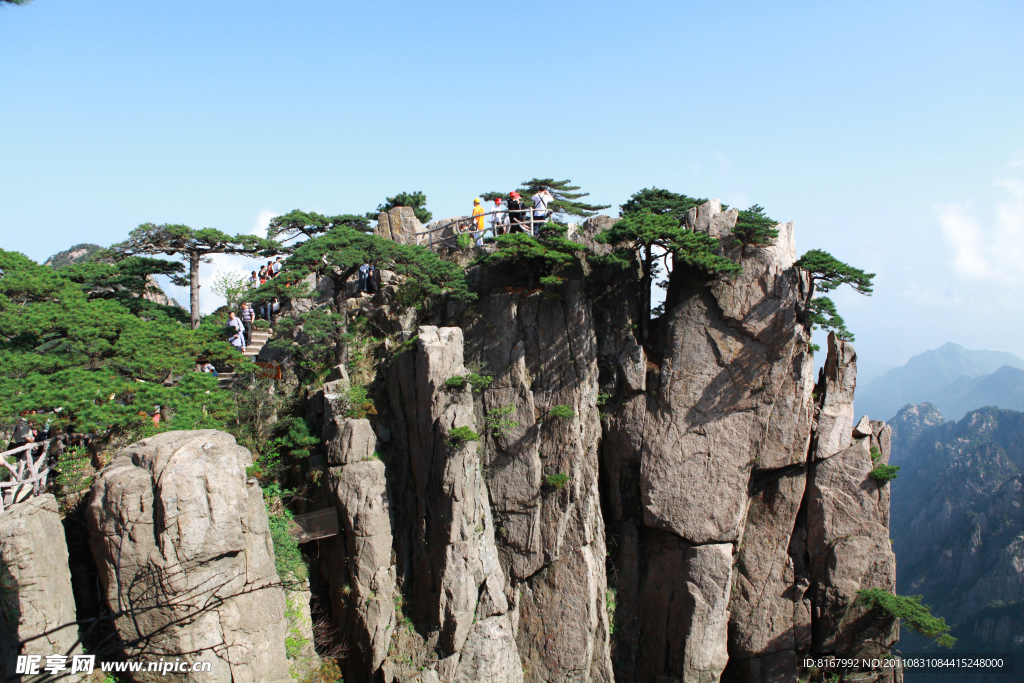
[
  {"x": 297, "y": 223},
  {"x": 565, "y": 196},
  {"x": 337, "y": 254},
  {"x": 544, "y": 254},
  {"x": 660, "y": 203},
  {"x": 754, "y": 228},
  {"x": 663, "y": 244},
  {"x": 911, "y": 613},
  {"x": 417, "y": 201},
  {"x": 193, "y": 246},
  {"x": 826, "y": 274}
]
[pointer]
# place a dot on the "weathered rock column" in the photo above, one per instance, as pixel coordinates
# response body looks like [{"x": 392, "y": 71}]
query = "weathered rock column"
[
  {"x": 448, "y": 562},
  {"x": 361, "y": 574},
  {"x": 185, "y": 557},
  {"x": 34, "y": 558},
  {"x": 705, "y": 453},
  {"x": 543, "y": 474}
]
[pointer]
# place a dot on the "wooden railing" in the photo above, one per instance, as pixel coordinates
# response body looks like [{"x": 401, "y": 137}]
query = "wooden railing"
[
  {"x": 28, "y": 474},
  {"x": 527, "y": 221}
]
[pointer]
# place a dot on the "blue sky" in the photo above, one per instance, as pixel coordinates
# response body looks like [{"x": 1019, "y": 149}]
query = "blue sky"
[{"x": 891, "y": 133}]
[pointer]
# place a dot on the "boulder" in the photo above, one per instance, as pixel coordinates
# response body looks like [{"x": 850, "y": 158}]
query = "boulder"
[
  {"x": 36, "y": 602},
  {"x": 399, "y": 225},
  {"x": 184, "y": 553}
]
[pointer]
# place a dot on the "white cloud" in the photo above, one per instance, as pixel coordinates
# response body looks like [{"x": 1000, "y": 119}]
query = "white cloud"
[
  {"x": 987, "y": 244},
  {"x": 222, "y": 263},
  {"x": 262, "y": 223}
]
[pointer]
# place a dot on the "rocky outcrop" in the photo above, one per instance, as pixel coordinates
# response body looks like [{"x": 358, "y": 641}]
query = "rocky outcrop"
[
  {"x": 741, "y": 519},
  {"x": 37, "y": 607},
  {"x": 849, "y": 548},
  {"x": 716, "y": 439},
  {"x": 185, "y": 557},
  {"x": 451, "y": 579},
  {"x": 399, "y": 225}
]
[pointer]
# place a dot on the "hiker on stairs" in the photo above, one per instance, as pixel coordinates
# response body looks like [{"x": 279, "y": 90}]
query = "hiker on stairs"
[
  {"x": 239, "y": 328},
  {"x": 247, "y": 318}
]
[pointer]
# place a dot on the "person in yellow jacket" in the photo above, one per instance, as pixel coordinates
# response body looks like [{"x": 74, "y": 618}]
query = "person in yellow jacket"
[{"x": 478, "y": 218}]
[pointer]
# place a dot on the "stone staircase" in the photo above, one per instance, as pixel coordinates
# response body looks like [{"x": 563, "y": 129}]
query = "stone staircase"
[{"x": 259, "y": 338}]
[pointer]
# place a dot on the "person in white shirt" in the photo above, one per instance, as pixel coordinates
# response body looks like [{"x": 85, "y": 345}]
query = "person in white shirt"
[
  {"x": 540, "y": 208},
  {"x": 238, "y": 326},
  {"x": 499, "y": 219}
]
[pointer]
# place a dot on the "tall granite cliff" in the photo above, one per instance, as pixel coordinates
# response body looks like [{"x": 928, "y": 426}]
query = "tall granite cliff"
[
  {"x": 548, "y": 485},
  {"x": 676, "y": 500}
]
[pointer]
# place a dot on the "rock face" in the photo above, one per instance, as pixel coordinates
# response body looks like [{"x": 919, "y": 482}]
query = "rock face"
[
  {"x": 451, "y": 579},
  {"x": 361, "y": 574},
  {"x": 573, "y": 492},
  {"x": 185, "y": 556},
  {"x": 35, "y": 556},
  {"x": 542, "y": 353}
]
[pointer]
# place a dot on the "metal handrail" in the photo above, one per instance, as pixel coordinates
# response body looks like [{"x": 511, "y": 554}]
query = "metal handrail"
[{"x": 468, "y": 220}]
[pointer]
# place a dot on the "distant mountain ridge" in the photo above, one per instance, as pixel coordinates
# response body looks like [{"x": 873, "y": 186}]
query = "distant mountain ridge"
[
  {"x": 81, "y": 253},
  {"x": 952, "y": 377},
  {"x": 76, "y": 254}
]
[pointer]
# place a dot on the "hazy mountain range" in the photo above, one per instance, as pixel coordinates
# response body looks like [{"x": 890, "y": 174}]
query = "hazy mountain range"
[
  {"x": 951, "y": 377},
  {"x": 957, "y": 517}
]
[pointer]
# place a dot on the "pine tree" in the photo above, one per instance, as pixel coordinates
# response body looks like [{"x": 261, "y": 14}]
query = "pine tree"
[
  {"x": 564, "y": 197},
  {"x": 660, "y": 203},
  {"x": 652, "y": 221},
  {"x": 754, "y": 228},
  {"x": 64, "y": 343},
  {"x": 339, "y": 252},
  {"x": 826, "y": 274},
  {"x": 193, "y": 246},
  {"x": 299, "y": 223},
  {"x": 417, "y": 201}
]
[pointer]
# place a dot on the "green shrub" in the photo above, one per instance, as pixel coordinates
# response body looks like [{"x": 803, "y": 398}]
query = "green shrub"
[
  {"x": 557, "y": 480},
  {"x": 562, "y": 412},
  {"x": 496, "y": 421},
  {"x": 609, "y": 598},
  {"x": 360, "y": 403},
  {"x": 909, "y": 610},
  {"x": 74, "y": 471},
  {"x": 603, "y": 398},
  {"x": 408, "y": 345},
  {"x": 551, "y": 280},
  {"x": 287, "y": 556},
  {"x": 455, "y": 382},
  {"x": 884, "y": 473},
  {"x": 461, "y": 435},
  {"x": 464, "y": 241},
  {"x": 479, "y": 382}
]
